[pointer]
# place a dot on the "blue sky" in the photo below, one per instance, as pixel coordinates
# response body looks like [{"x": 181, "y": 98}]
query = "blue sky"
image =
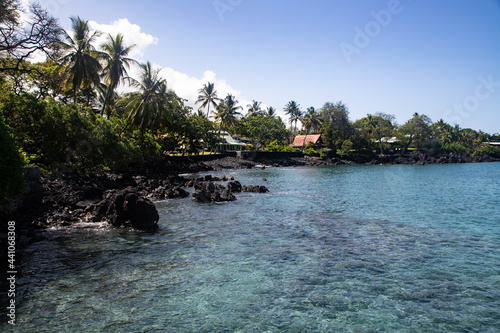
[{"x": 440, "y": 58}]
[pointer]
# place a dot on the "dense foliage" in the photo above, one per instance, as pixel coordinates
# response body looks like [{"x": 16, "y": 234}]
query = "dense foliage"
[
  {"x": 11, "y": 166},
  {"x": 67, "y": 115}
]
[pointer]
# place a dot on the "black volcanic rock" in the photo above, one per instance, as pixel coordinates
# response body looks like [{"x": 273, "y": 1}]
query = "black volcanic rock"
[
  {"x": 125, "y": 208},
  {"x": 234, "y": 186},
  {"x": 210, "y": 192},
  {"x": 255, "y": 188}
]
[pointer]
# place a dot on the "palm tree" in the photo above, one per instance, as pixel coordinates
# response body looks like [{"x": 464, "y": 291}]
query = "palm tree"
[
  {"x": 443, "y": 131},
  {"x": 311, "y": 120},
  {"x": 207, "y": 95},
  {"x": 457, "y": 133},
  {"x": 117, "y": 63},
  {"x": 112, "y": 98},
  {"x": 371, "y": 126},
  {"x": 271, "y": 112},
  {"x": 293, "y": 110},
  {"x": 80, "y": 57},
  {"x": 227, "y": 112},
  {"x": 254, "y": 109},
  {"x": 148, "y": 105}
]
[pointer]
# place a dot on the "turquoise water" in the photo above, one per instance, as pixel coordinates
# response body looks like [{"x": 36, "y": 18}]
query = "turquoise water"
[{"x": 333, "y": 249}]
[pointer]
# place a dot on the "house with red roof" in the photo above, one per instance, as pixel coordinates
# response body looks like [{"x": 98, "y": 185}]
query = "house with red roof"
[{"x": 298, "y": 142}]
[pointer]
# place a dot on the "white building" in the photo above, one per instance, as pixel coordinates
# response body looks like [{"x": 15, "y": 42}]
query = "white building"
[{"x": 228, "y": 144}]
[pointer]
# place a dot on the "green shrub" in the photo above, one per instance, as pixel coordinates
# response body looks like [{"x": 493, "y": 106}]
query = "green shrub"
[
  {"x": 11, "y": 166},
  {"x": 488, "y": 150},
  {"x": 311, "y": 152},
  {"x": 65, "y": 138},
  {"x": 346, "y": 149},
  {"x": 326, "y": 153},
  {"x": 279, "y": 147},
  {"x": 455, "y": 147}
]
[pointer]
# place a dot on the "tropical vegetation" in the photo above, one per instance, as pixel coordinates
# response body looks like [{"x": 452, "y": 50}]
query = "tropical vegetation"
[{"x": 67, "y": 113}]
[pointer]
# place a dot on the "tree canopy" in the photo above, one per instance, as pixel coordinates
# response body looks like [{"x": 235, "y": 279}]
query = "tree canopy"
[{"x": 67, "y": 113}]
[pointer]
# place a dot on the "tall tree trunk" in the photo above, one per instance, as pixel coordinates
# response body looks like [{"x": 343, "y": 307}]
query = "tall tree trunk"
[
  {"x": 105, "y": 101},
  {"x": 123, "y": 129},
  {"x": 381, "y": 145}
]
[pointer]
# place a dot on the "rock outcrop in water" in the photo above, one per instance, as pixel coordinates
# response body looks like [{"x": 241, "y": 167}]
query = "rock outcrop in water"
[
  {"x": 255, "y": 189},
  {"x": 211, "y": 192},
  {"x": 125, "y": 208},
  {"x": 234, "y": 186},
  {"x": 166, "y": 192}
]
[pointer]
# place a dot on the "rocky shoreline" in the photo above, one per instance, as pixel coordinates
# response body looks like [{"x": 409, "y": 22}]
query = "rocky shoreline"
[
  {"x": 68, "y": 198},
  {"x": 125, "y": 198}
]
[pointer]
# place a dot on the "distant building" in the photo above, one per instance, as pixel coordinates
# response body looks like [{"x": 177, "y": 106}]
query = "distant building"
[
  {"x": 241, "y": 139},
  {"x": 228, "y": 144},
  {"x": 298, "y": 142},
  {"x": 388, "y": 139}
]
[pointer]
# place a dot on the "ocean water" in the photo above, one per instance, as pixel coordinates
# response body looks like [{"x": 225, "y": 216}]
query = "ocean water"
[{"x": 328, "y": 249}]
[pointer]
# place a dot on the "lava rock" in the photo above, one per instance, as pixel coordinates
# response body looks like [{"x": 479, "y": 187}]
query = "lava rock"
[
  {"x": 255, "y": 189},
  {"x": 234, "y": 186},
  {"x": 125, "y": 208},
  {"x": 210, "y": 192},
  {"x": 164, "y": 192}
]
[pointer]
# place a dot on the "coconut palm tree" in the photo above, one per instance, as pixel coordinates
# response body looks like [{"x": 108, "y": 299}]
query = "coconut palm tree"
[
  {"x": 227, "y": 112},
  {"x": 371, "y": 126},
  {"x": 443, "y": 131},
  {"x": 112, "y": 98},
  {"x": 271, "y": 112},
  {"x": 117, "y": 64},
  {"x": 207, "y": 96},
  {"x": 292, "y": 109},
  {"x": 254, "y": 109},
  {"x": 80, "y": 57},
  {"x": 311, "y": 120},
  {"x": 147, "y": 106}
]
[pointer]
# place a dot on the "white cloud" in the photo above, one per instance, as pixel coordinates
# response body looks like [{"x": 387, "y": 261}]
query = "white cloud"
[
  {"x": 187, "y": 87},
  {"x": 132, "y": 34}
]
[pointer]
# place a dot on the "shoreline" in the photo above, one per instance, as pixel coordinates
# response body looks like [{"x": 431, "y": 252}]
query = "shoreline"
[{"x": 60, "y": 199}]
